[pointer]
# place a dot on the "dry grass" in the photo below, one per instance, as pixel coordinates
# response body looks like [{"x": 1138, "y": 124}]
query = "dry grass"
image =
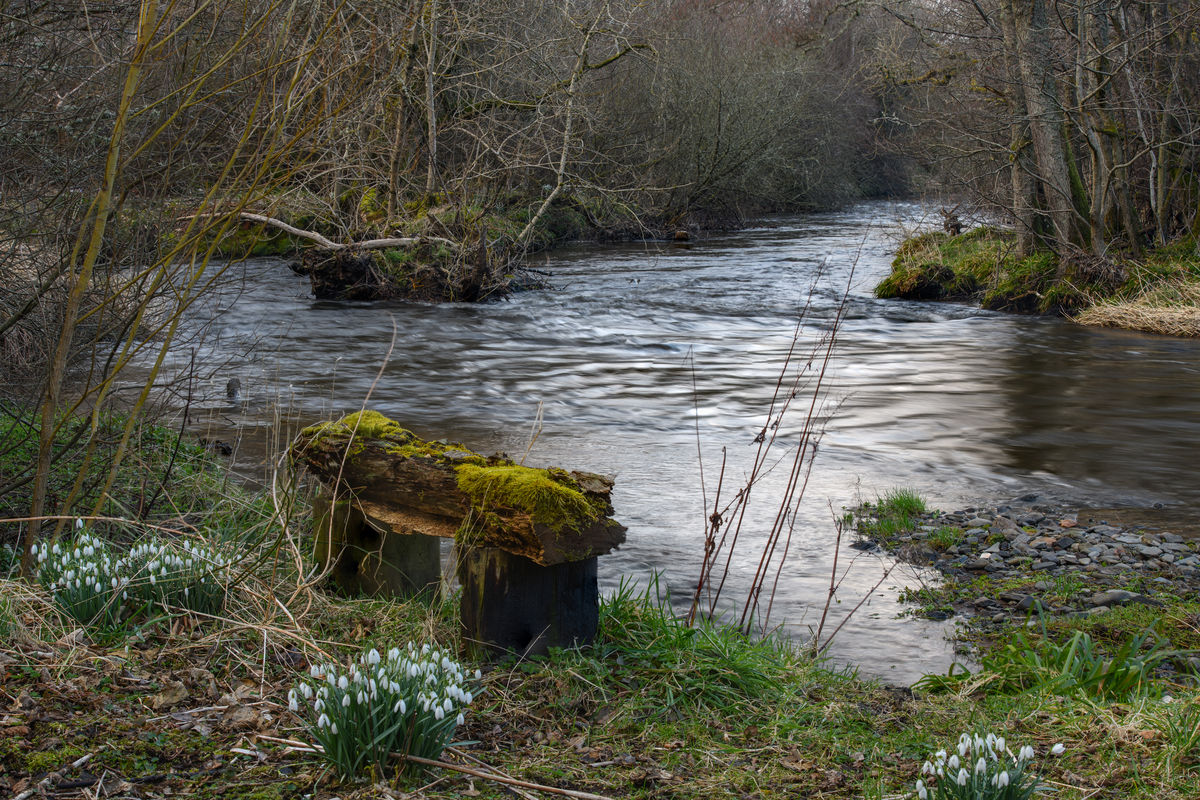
[{"x": 1171, "y": 309}]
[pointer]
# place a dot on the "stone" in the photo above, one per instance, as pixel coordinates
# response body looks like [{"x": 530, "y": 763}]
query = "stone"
[
  {"x": 1029, "y": 603},
  {"x": 978, "y": 522}
]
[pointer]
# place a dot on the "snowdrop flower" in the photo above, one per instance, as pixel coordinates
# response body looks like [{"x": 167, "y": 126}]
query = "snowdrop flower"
[
  {"x": 322, "y": 721},
  {"x": 293, "y": 706},
  {"x": 1000, "y": 744},
  {"x": 342, "y": 683},
  {"x": 1058, "y": 749},
  {"x": 927, "y": 768},
  {"x": 1026, "y": 753},
  {"x": 438, "y": 713},
  {"x": 399, "y": 708},
  {"x": 345, "y": 701},
  {"x": 1002, "y": 779},
  {"x": 962, "y": 777},
  {"x": 964, "y": 748},
  {"x": 980, "y": 767},
  {"x": 953, "y": 762},
  {"x": 459, "y": 720},
  {"x": 922, "y": 794},
  {"x": 333, "y": 728}
]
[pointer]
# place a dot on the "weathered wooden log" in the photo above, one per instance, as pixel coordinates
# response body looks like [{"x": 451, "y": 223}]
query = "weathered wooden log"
[
  {"x": 408, "y": 485},
  {"x": 511, "y": 603}
]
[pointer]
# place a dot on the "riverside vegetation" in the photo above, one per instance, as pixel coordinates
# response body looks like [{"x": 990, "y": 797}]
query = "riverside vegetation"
[
  {"x": 1158, "y": 292},
  {"x": 167, "y": 697}
]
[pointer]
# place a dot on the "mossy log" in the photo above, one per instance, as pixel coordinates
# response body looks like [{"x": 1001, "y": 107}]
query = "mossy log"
[{"x": 409, "y": 486}]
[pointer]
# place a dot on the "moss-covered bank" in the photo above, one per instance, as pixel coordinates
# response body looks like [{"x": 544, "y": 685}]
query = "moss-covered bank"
[{"x": 1159, "y": 292}]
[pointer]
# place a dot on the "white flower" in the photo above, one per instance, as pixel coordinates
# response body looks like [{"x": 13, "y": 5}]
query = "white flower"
[
  {"x": 343, "y": 683},
  {"x": 1000, "y": 744},
  {"x": 962, "y": 777},
  {"x": 322, "y": 721},
  {"x": 400, "y": 707},
  {"x": 953, "y": 762},
  {"x": 438, "y": 713},
  {"x": 78, "y": 524},
  {"x": 1058, "y": 749},
  {"x": 927, "y": 768},
  {"x": 1002, "y": 779},
  {"x": 1025, "y": 754},
  {"x": 980, "y": 767},
  {"x": 333, "y": 728},
  {"x": 345, "y": 701},
  {"x": 459, "y": 720},
  {"x": 964, "y": 748},
  {"x": 921, "y": 792}
]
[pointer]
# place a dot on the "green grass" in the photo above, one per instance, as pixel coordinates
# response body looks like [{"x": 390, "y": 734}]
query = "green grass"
[
  {"x": 156, "y": 455},
  {"x": 898, "y": 511},
  {"x": 1074, "y": 666}
]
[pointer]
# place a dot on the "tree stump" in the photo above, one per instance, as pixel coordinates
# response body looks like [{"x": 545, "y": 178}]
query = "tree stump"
[{"x": 527, "y": 539}]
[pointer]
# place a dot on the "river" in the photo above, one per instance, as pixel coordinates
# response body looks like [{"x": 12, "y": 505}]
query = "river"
[{"x": 640, "y": 345}]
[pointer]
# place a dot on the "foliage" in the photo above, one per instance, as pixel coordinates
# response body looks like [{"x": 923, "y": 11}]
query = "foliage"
[
  {"x": 982, "y": 769},
  {"x": 84, "y": 454},
  {"x": 1076, "y": 666},
  {"x": 407, "y": 701}
]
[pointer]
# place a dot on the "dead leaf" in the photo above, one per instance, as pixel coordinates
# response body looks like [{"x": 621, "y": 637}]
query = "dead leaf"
[
  {"x": 173, "y": 693},
  {"x": 243, "y": 717}
]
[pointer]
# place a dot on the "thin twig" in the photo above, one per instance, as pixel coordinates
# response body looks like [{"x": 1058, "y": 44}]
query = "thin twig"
[{"x": 491, "y": 776}]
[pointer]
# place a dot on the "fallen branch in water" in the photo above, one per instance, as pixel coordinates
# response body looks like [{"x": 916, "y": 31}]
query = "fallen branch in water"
[{"x": 328, "y": 244}]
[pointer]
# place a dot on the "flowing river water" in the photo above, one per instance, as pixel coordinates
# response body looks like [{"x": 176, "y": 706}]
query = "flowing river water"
[{"x": 642, "y": 350}]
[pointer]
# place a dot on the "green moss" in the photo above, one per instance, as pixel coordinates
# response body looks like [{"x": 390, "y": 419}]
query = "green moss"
[
  {"x": 361, "y": 425},
  {"x": 364, "y": 425},
  {"x": 550, "y": 499},
  {"x": 47, "y": 760}
]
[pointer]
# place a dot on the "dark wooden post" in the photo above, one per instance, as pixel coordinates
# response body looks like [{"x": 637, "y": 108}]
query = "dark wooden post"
[
  {"x": 370, "y": 559},
  {"x": 510, "y": 603}
]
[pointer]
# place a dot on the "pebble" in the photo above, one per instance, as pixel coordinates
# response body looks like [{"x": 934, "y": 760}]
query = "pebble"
[{"x": 1100, "y": 558}]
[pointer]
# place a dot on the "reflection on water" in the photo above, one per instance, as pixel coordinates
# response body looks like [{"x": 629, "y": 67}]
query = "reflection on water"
[{"x": 957, "y": 403}]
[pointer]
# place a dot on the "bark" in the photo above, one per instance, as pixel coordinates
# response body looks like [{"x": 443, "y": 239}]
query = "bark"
[{"x": 1047, "y": 122}]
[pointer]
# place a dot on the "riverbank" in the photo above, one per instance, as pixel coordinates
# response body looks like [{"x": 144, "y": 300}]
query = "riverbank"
[
  {"x": 434, "y": 250},
  {"x": 1003, "y": 566},
  {"x": 1158, "y": 293},
  {"x": 167, "y": 701}
]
